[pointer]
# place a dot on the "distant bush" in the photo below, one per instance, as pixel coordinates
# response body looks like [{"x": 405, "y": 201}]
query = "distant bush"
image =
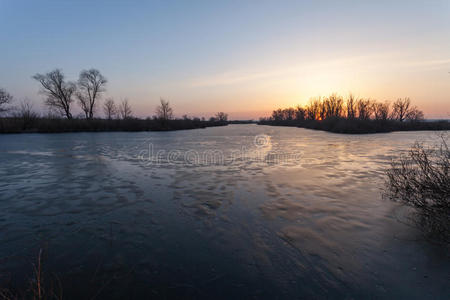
[{"x": 421, "y": 179}]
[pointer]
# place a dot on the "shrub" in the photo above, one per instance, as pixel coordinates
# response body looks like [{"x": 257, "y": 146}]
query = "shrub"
[{"x": 421, "y": 179}]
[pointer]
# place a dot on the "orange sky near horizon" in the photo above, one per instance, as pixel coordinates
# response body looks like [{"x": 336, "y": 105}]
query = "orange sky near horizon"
[{"x": 250, "y": 94}]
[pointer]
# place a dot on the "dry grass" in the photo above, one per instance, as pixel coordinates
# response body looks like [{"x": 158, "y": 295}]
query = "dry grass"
[
  {"x": 37, "y": 285},
  {"x": 39, "y": 290}
]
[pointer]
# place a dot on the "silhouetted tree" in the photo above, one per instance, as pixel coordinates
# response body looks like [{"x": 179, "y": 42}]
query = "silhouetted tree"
[
  {"x": 414, "y": 114},
  {"x": 300, "y": 113},
  {"x": 322, "y": 110},
  {"x": 289, "y": 113},
  {"x": 381, "y": 110},
  {"x": 222, "y": 117},
  {"x": 365, "y": 109},
  {"x": 125, "y": 109},
  {"x": 402, "y": 110},
  {"x": 333, "y": 106},
  {"x": 58, "y": 91},
  {"x": 277, "y": 115},
  {"x": 26, "y": 112},
  {"x": 5, "y": 99},
  {"x": 351, "y": 106},
  {"x": 164, "y": 111},
  {"x": 109, "y": 108},
  {"x": 91, "y": 84},
  {"x": 313, "y": 109}
]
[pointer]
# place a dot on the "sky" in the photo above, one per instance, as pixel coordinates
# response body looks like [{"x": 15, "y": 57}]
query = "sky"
[{"x": 245, "y": 58}]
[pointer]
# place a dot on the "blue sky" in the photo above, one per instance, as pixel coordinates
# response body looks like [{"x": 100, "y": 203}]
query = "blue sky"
[{"x": 243, "y": 57}]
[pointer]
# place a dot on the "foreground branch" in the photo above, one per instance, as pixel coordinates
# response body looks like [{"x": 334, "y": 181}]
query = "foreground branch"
[{"x": 421, "y": 179}]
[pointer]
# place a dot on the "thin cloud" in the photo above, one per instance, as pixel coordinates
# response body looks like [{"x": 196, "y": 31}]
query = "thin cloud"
[
  {"x": 233, "y": 77},
  {"x": 241, "y": 76},
  {"x": 428, "y": 63}
]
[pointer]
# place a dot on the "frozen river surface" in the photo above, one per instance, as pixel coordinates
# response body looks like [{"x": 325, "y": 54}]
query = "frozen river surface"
[{"x": 241, "y": 211}]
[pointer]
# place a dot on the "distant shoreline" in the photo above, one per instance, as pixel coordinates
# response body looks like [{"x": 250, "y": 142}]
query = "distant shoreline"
[
  {"x": 334, "y": 125},
  {"x": 356, "y": 126},
  {"x": 48, "y": 125}
]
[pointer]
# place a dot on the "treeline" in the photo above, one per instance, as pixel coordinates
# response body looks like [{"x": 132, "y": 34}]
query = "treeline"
[
  {"x": 61, "y": 95},
  {"x": 354, "y": 115}
]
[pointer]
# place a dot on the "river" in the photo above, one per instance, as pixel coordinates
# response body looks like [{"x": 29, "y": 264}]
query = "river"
[{"x": 241, "y": 211}]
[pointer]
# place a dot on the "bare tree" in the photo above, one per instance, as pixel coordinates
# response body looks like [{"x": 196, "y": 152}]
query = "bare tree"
[
  {"x": 5, "y": 99},
  {"x": 58, "y": 91},
  {"x": 333, "y": 106},
  {"x": 26, "y": 112},
  {"x": 125, "y": 109},
  {"x": 322, "y": 109},
  {"x": 109, "y": 108},
  {"x": 300, "y": 113},
  {"x": 91, "y": 84},
  {"x": 313, "y": 110},
  {"x": 222, "y": 117},
  {"x": 402, "y": 110},
  {"x": 381, "y": 110},
  {"x": 365, "y": 109},
  {"x": 414, "y": 114},
  {"x": 277, "y": 115},
  {"x": 289, "y": 113},
  {"x": 351, "y": 106},
  {"x": 164, "y": 111}
]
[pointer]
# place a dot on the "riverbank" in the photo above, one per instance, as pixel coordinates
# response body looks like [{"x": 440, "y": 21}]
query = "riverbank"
[
  {"x": 357, "y": 126},
  {"x": 47, "y": 125}
]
